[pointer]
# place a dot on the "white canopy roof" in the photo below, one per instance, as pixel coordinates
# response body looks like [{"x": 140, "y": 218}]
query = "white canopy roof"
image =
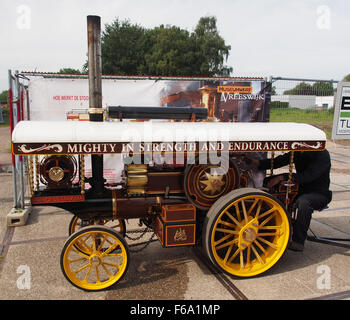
[
  {"x": 152, "y": 131},
  {"x": 84, "y": 137}
]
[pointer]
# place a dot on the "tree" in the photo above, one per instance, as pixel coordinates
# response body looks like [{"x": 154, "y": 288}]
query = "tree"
[
  {"x": 211, "y": 48},
  {"x": 171, "y": 52},
  {"x": 273, "y": 91},
  {"x": 300, "y": 89},
  {"x": 123, "y": 48},
  {"x": 4, "y": 97},
  {"x": 129, "y": 49},
  {"x": 323, "y": 88},
  {"x": 69, "y": 71},
  {"x": 347, "y": 77},
  {"x": 319, "y": 88}
]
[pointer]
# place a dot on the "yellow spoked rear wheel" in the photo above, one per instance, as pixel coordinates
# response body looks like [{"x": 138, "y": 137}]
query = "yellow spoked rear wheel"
[
  {"x": 103, "y": 261},
  {"x": 246, "y": 232}
]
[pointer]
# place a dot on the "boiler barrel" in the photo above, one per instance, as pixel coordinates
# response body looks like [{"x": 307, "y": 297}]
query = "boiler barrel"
[{"x": 175, "y": 113}]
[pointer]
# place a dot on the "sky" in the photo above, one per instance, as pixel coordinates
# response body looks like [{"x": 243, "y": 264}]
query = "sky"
[{"x": 295, "y": 38}]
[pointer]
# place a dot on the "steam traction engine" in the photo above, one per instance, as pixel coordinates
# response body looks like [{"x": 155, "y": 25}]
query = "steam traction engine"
[
  {"x": 201, "y": 194},
  {"x": 188, "y": 200}
]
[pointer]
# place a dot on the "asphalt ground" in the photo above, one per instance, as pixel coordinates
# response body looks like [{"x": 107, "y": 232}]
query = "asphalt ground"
[{"x": 321, "y": 271}]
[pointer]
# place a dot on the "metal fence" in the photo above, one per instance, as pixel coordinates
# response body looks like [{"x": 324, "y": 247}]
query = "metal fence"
[
  {"x": 4, "y": 112},
  {"x": 303, "y": 100},
  {"x": 1, "y": 116},
  {"x": 17, "y": 109}
]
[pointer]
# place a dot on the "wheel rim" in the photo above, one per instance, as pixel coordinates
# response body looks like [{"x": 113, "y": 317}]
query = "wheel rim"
[
  {"x": 102, "y": 263},
  {"x": 250, "y": 235},
  {"x": 118, "y": 225}
]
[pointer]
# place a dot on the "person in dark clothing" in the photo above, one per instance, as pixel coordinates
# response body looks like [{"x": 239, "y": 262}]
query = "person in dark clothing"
[{"x": 313, "y": 177}]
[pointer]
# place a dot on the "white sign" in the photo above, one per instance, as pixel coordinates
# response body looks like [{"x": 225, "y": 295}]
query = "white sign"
[
  {"x": 53, "y": 99},
  {"x": 341, "y": 122}
]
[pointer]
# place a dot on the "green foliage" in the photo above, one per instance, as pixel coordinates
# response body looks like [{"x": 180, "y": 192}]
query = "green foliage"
[
  {"x": 129, "y": 49},
  {"x": 170, "y": 52},
  {"x": 322, "y": 119},
  {"x": 211, "y": 48},
  {"x": 273, "y": 90},
  {"x": 123, "y": 48},
  {"x": 5, "y": 111},
  {"x": 347, "y": 77},
  {"x": 69, "y": 71},
  {"x": 301, "y": 89},
  {"x": 6, "y": 116},
  {"x": 323, "y": 88},
  {"x": 331, "y": 110},
  {"x": 317, "y": 89},
  {"x": 4, "y": 97}
]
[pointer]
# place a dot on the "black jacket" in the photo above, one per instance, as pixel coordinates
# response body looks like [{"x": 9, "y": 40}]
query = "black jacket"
[{"x": 312, "y": 170}]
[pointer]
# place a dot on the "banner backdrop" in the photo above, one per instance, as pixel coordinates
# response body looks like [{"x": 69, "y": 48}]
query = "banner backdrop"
[
  {"x": 54, "y": 98},
  {"x": 67, "y": 99}
]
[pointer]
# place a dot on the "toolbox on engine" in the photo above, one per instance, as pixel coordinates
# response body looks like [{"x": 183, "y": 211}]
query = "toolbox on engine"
[
  {"x": 176, "y": 225},
  {"x": 178, "y": 212}
]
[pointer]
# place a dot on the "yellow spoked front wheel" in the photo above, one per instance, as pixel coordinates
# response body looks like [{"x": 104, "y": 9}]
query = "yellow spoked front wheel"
[
  {"x": 246, "y": 232},
  {"x": 103, "y": 261},
  {"x": 116, "y": 224}
]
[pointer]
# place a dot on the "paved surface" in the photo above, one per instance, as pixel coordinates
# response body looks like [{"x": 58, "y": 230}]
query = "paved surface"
[{"x": 320, "y": 272}]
